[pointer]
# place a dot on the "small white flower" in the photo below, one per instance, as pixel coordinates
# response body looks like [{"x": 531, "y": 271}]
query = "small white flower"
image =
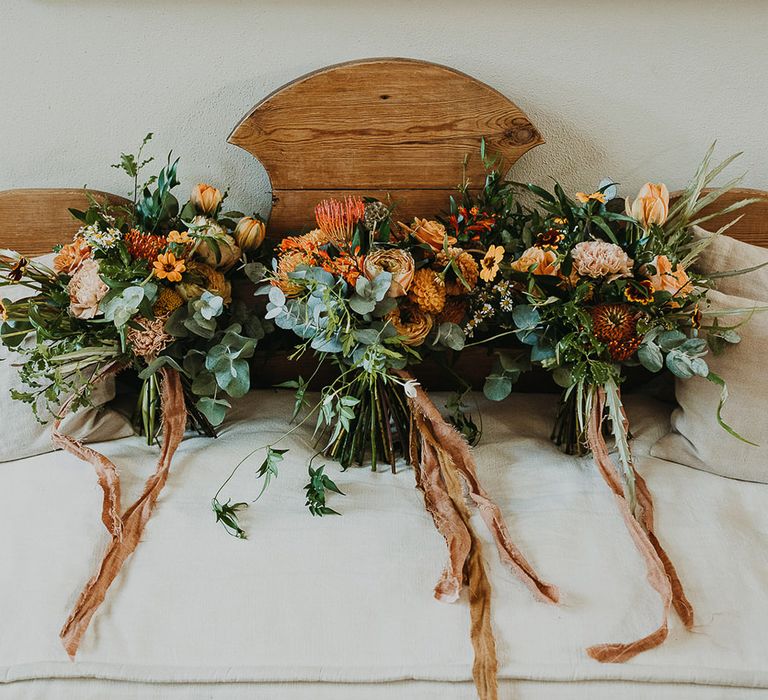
[{"x": 410, "y": 388}]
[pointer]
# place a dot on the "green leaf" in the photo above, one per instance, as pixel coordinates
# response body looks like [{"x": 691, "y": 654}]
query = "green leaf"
[
  {"x": 215, "y": 410},
  {"x": 316, "y": 490},
  {"x": 526, "y": 317},
  {"x": 497, "y": 387},
  {"x": 227, "y": 515},
  {"x": 650, "y": 357},
  {"x": 720, "y": 382}
]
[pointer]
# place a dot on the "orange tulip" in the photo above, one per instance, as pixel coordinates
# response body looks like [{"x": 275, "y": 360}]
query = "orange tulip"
[
  {"x": 206, "y": 198},
  {"x": 651, "y": 206},
  {"x": 249, "y": 233}
]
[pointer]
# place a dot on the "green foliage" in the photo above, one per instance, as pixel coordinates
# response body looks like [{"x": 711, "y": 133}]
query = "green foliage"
[
  {"x": 227, "y": 515},
  {"x": 317, "y": 488}
]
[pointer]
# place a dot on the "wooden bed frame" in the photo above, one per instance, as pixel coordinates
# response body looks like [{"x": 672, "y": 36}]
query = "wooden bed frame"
[{"x": 391, "y": 128}]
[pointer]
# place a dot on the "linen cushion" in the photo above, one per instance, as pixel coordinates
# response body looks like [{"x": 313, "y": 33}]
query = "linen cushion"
[
  {"x": 29, "y": 437},
  {"x": 725, "y": 253},
  {"x": 696, "y": 439}
]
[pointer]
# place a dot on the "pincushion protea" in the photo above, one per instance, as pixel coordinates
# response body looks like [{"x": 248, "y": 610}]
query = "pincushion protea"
[
  {"x": 337, "y": 219},
  {"x": 613, "y": 322}
]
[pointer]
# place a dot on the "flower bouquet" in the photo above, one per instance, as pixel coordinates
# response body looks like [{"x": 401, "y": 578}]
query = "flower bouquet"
[
  {"x": 144, "y": 286},
  {"x": 375, "y": 297},
  {"x": 590, "y": 286}
]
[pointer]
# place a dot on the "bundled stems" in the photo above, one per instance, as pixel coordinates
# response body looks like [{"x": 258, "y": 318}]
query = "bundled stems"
[
  {"x": 379, "y": 428},
  {"x": 568, "y": 432}
]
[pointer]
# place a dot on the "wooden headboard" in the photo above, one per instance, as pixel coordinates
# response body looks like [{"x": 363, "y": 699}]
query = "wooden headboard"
[
  {"x": 753, "y": 225},
  {"x": 35, "y": 220},
  {"x": 381, "y": 127}
]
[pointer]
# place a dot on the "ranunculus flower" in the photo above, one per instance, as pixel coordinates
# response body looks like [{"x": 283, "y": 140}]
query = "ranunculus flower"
[
  {"x": 206, "y": 198},
  {"x": 71, "y": 256},
  {"x": 599, "y": 259},
  {"x": 411, "y": 323},
  {"x": 545, "y": 260},
  {"x": 396, "y": 261},
  {"x": 86, "y": 290},
  {"x": 249, "y": 233},
  {"x": 666, "y": 279},
  {"x": 432, "y": 233},
  {"x": 651, "y": 206}
]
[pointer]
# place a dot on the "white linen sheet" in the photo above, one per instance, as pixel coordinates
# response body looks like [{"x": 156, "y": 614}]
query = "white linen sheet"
[{"x": 342, "y": 607}]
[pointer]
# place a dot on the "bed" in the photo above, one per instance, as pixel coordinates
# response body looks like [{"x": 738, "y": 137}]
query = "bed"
[{"x": 343, "y": 607}]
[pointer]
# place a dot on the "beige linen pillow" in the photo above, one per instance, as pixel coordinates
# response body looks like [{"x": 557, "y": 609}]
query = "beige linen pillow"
[
  {"x": 696, "y": 439},
  {"x": 725, "y": 253},
  {"x": 29, "y": 437}
]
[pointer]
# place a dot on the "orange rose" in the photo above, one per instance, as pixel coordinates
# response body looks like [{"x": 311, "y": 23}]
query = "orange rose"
[
  {"x": 71, "y": 256},
  {"x": 651, "y": 206},
  {"x": 432, "y": 233},
  {"x": 545, "y": 261},
  {"x": 665, "y": 279},
  {"x": 206, "y": 198},
  {"x": 249, "y": 233}
]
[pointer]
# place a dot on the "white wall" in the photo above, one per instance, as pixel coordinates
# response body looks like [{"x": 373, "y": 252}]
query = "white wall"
[{"x": 630, "y": 90}]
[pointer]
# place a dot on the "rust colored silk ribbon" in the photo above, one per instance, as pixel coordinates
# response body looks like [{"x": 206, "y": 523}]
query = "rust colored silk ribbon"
[
  {"x": 661, "y": 572},
  {"x": 445, "y": 468},
  {"x": 125, "y": 529}
]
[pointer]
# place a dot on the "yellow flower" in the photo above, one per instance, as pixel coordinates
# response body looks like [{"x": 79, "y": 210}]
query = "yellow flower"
[
  {"x": 3, "y": 312},
  {"x": 179, "y": 237},
  {"x": 651, "y": 206},
  {"x": 206, "y": 198},
  {"x": 167, "y": 302},
  {"x": 583, "y": 197},
  {"x": 489, "y": 265},
  {"x": 167, "y": 267}
]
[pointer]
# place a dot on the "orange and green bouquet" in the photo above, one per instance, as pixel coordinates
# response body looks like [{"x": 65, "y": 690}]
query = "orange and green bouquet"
[
  {"x": 372, "y": 297},
  {"x": 592, "y": 284},
  {"x": 145, "y": 284},
  {"x": 589, "y": 286}
]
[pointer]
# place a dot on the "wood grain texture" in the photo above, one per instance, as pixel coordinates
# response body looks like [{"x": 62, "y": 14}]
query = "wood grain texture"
[
  {"x": 35, "y": 220},
  {"x": 379, "y": 125},
  {"x": 753, "y": 225}
]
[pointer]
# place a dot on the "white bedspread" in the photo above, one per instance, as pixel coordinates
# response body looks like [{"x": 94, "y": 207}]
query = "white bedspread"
[{"x": 342, "y": 607}]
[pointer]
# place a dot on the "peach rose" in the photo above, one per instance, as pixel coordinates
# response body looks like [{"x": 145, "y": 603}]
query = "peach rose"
[
  {"x": 432, "y": 233},
  {"x": 544, "y": 259},
  {"x": 651, "y": 206},
  {"x": 396, "y": 261},
  {"x": 666, "y": 279},
  {"x": 86, "y": 290},
  {"x": 206, "y": 198},
  {"x": 71, "y": 256}
]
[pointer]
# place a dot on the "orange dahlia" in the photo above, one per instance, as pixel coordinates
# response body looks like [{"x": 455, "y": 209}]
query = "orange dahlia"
[
  {"x": 145, "y": 246},
  {"x": 455, "y": 311},
  {"x": 613, "y": 322},
  {"x": 427, "y": 291}
]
